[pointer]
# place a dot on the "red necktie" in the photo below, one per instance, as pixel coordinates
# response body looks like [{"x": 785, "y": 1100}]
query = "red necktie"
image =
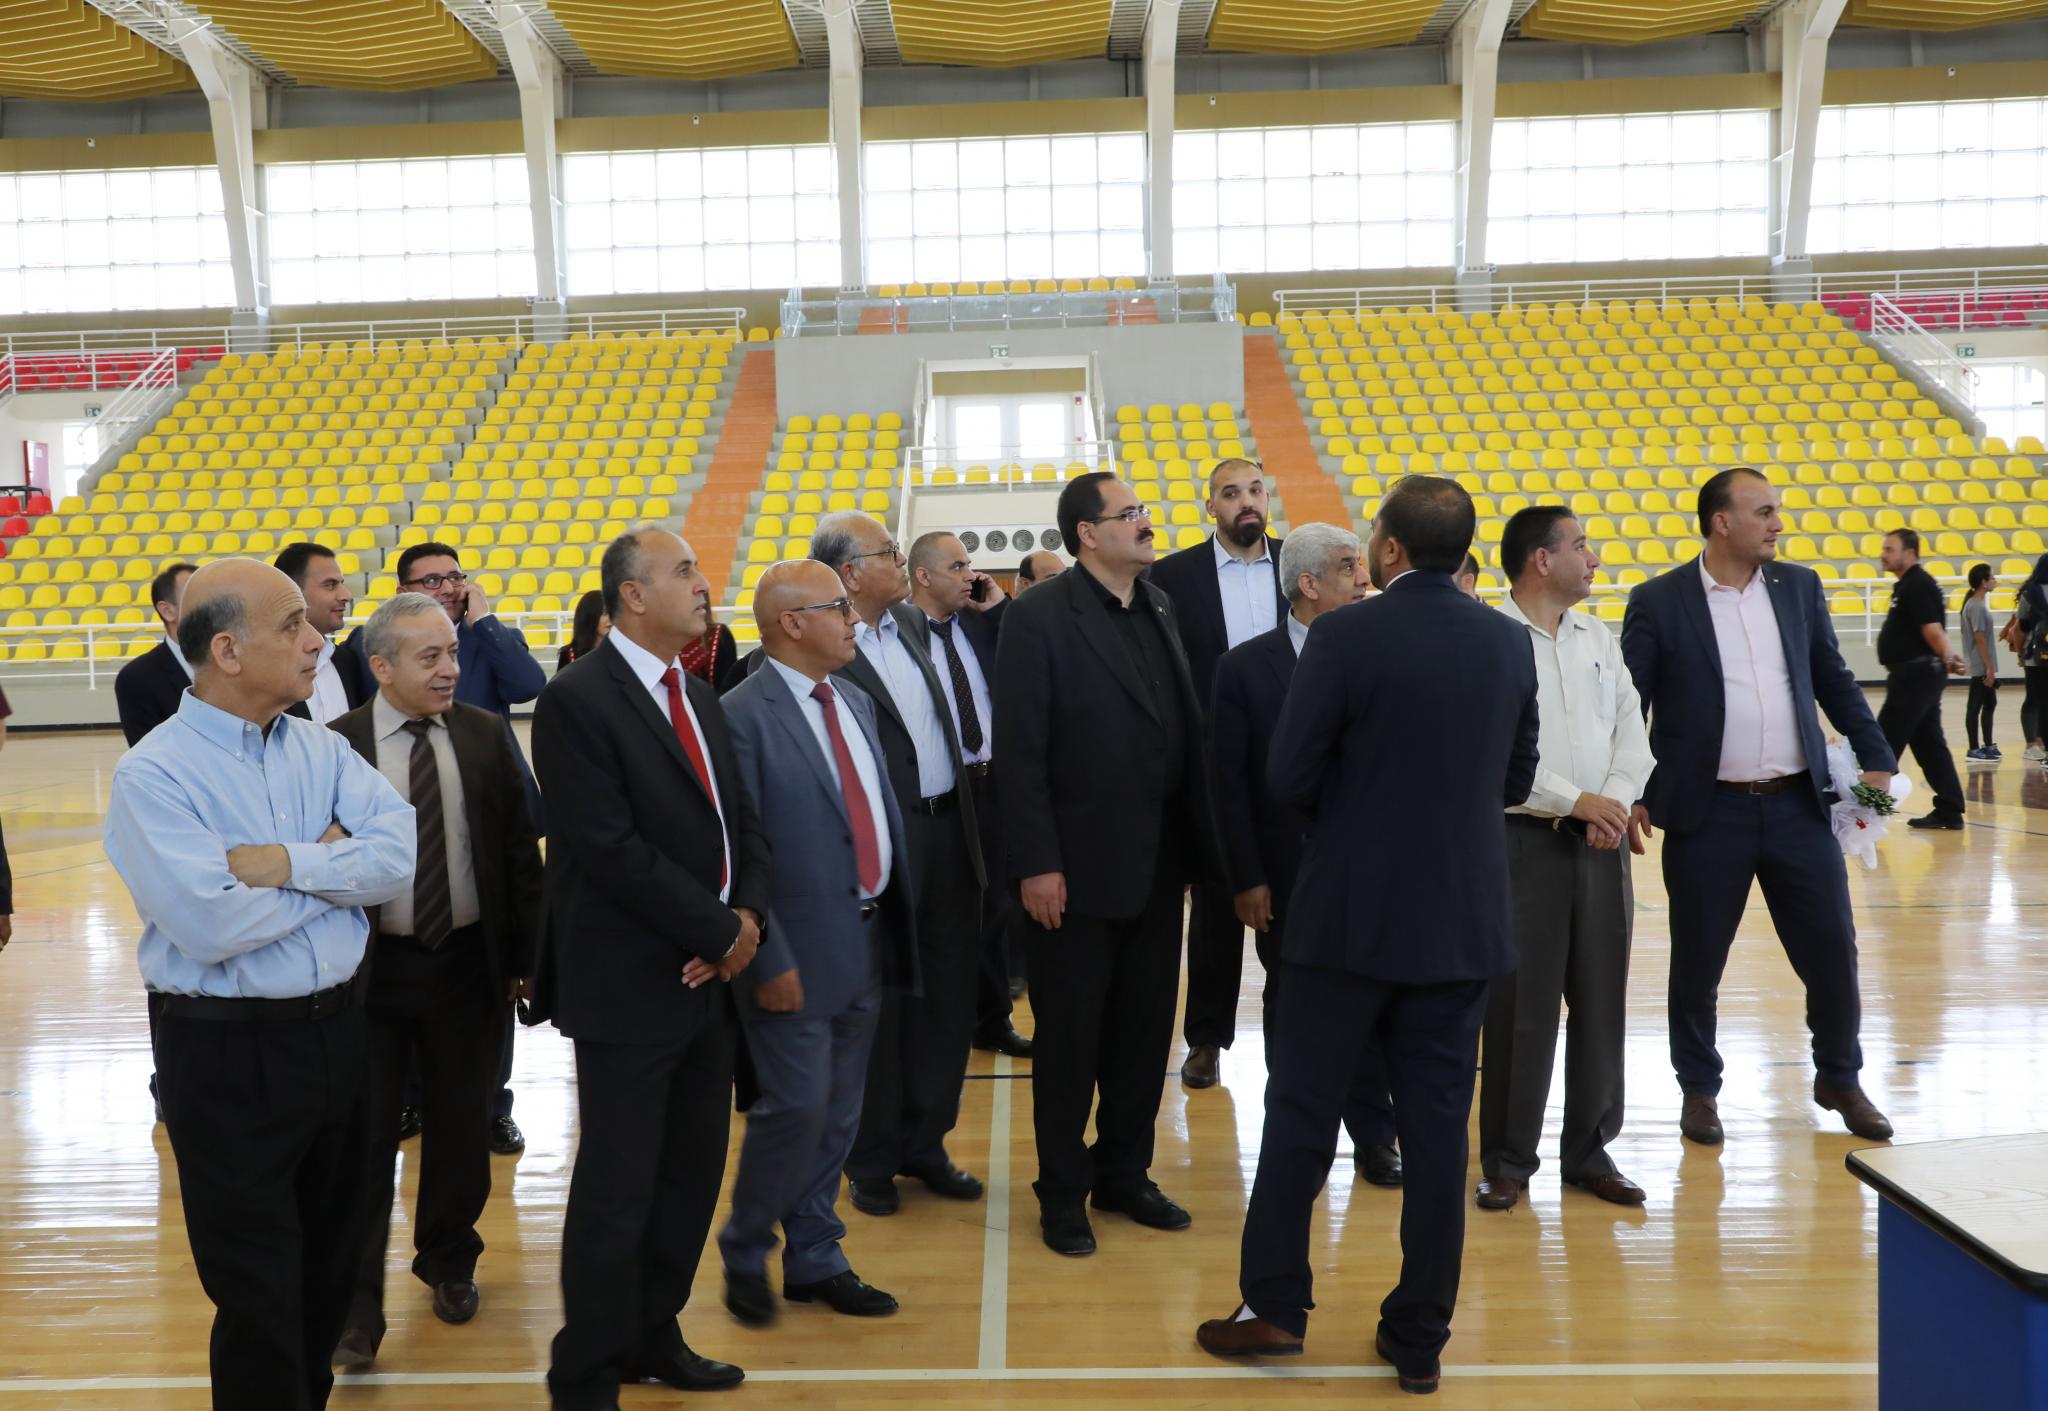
[
  {"x": 679, "y": 717},
  {"x": 867, "y": 850}
]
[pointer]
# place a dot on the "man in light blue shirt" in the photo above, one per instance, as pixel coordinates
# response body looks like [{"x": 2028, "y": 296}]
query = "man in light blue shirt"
[{"x": 251, "y": 842}]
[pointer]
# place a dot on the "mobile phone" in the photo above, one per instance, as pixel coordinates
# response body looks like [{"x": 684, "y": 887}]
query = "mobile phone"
[{"x": 979, "y": 592}]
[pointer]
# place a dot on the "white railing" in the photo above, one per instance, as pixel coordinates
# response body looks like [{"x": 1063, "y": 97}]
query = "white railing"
[
  {"x": 1199, "y": 299},
  {"x": 141, "y": 398},
  {"x": 65, "y": 371},
  {"x": 1900, "y": 333},
  {"x": 1002, "y": 468}
]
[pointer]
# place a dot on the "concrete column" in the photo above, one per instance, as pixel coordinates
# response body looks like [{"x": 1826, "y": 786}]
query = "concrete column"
[
  {"x": 1162, "y": 44},
  {"x": 235, "y": 103},
  {"x": 844, "y": 100},
  {"x": 539, "y": 76},
  {"x": 1798, "y": 41},
  {"x": 1475, "y": 68}
]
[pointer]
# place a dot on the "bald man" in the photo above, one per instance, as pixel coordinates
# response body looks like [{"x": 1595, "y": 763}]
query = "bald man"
[
  {"x": 840, "y": 929},
  {"x": 251, "y": 843},
  {"x": 1038, "y": 566}
]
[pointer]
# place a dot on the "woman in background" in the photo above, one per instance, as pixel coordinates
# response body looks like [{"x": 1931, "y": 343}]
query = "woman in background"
[
  {"x": 714, "y": 658},
  {"x": 589, "y": 627}
]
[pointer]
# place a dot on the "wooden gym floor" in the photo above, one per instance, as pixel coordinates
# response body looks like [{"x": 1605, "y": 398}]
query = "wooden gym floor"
[{"x": 1748, "y": 1281}]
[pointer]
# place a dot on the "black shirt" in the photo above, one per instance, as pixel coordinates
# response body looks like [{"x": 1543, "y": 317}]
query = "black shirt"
[
  {"x": 1916, "y": 602},
  {"x": 1152, "y": 656}
]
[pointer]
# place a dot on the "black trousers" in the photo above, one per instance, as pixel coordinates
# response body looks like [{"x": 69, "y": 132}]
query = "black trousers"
[
  {"x": 1215, "y": 966},
  {"x": 1911, "y": 714},
  {"x": 267, "y": 1122},
  {"x": 919, "y": 1059},
  {"x": 1102, "y": 991},
  {"x": 654, "y": 1121},
  {"x": 2034, "y": 703},
  {"x": 501, "y": 1099},
  {"x": 992, "y": 1005},
  {"x": 1368, "y": 1111},
  {"x": 433, "y": 1009},
  {"x": 1979, "y": 710},
  {"x": 1784, "y": 844},
  {"x": 1429, "y": 1036}
]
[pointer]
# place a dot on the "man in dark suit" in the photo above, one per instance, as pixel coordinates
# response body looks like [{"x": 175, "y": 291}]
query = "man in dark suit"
[
  {"x": 1226, "y": 590},
  {"x": 1106, "y": 819},
  {"x": 657, "y": 879},
  {"x": 1323, "y": 568},
  {"x": 840, "y": 928},
  {"x": 343, "y": 680},
  {"x": 444, "y": 959},
  {"x": 922, "y": 1042},
  {"x": 1410, "y": 723},
  {"x": 146, "y": 690},
  {"x": 1730, "y": 653},
  {"x": 959, "y": 617}
]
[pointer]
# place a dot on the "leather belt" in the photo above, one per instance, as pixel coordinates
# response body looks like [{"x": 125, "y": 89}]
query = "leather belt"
[
  {"x": 1764, "y": 788},
  {"x": 868, "y": 910},
  {"x": 977, "y": 771},
  {"x": 1573, "y": 826},
  {"x": 319, "y": 1005},
  {"x": 938, "y": 803}
]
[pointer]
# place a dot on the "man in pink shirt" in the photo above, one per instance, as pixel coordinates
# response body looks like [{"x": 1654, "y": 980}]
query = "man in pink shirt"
[{"x": 1731, "y": 654}]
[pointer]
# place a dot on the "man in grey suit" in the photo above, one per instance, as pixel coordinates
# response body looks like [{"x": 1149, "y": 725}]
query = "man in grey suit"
[{"x": 840, "y": 930}]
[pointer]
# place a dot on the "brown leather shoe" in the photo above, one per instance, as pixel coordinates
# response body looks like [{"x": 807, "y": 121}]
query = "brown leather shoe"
[
  {"x": 1613, "y": 1187},
  {"x": 1498, "y": 1192},
  {"x": 1859, "y": 1113},
  {"x": 1253, "y": 1337},
  {"x": 1700, "y": 1120},
  {"x": 1200, "y": 1069},
  {"x": 1420, "y": 1383}
]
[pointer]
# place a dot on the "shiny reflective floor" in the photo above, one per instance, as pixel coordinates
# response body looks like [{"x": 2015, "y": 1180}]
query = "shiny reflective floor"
[{"x": 1748, "y": 1281}]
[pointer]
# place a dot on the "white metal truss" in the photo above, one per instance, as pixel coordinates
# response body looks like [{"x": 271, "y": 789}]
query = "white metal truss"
[
  {"x": 167, "y": 23},
  {"x": 1127, "y": 28},
  {"x": 807, "y": 23},
  {"x": 480, "y": 18},
  {"x": 877, "y": 24}
]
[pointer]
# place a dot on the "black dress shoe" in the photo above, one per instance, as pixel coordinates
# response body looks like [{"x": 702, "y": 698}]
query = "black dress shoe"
[
  {"x": 686, "y": 1371},
  {"x": 356, "y": 1352},
  {"x": 455, "y": 1300},
  {"x": 1146, "y": 1204},
  {"x": 948, "y": 1180},
  {"x": 408, "y": 1123},
  {"x": 1065, "y": 1229},
  {"x": 506, "y": 1138},
  {"x": 749, "y": 1299},
  {"x": 1417, "y": 1380},
  {"x": 1004, "y": 1040},
  {"x": 1940, "y": 822},
  {"x": 874, "y": 1197},
  {"x": 845, "y": 1292},
  {"x": 1380, "y": 1166}
]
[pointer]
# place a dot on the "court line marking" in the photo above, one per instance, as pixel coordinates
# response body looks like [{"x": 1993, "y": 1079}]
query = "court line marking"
[
  {"x": 1218, "y": 1372},
  {"x": 995, "y": 1243}
]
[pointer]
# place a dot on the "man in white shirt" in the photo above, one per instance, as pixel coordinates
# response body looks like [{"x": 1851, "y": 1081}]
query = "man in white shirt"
[
  {"x": 1569, "y": 876},
  {"x": 342, "y": 681}
]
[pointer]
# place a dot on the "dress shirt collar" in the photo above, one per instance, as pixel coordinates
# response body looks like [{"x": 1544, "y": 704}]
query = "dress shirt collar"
[
  {"x": 1297, "y": 633},
  {"x": 644, "y": 664},
  {"x": 1396, "y": 579},
  {"x": 1712, "y": 583},
  {"x": 230, "y": 732},
  {"x": 1224, "y": 558},
  {"x": 799, "y": 684},
  {"x": 1102, "y": 594},
  {"x": 1573, "y": 620},
  {"x": 887, "y": 631},
  {"x": 326, "y": 652},
  {"x": 387, "y": 719},
  {"x": 179, "y": 657}
]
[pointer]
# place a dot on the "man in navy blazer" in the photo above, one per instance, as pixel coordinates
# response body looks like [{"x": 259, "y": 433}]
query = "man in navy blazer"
[
  {"x": 1409, "y": 724},
  {"x": 1731, "y": 652},
  {"x": 147, "y": 689},
  {"x": 841, "y": 927}
]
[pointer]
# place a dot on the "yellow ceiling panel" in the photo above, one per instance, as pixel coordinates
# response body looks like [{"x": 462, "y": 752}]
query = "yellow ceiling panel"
[
  {"x": 1942, "y": 14},
  {"x": 66, "y": 49},
  {"x": 381, "y": 44},
  {"x": 1291, "y": 27},
  {"x": 1630, "y": 21},
  {"x": 1000, "y": 33},
  {"x": 681, "y": 38}
]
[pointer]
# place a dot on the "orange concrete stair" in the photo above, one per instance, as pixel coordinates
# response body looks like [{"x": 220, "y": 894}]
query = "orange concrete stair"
[
  {"x": 1304, "y": 487},
  {"x": 718, "y": 511}
]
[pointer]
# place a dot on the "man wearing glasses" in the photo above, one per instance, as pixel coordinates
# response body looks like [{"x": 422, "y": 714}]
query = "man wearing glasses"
[
  {"x": 1099, "y": 768},
  {"x": 922, "y": 1040}
]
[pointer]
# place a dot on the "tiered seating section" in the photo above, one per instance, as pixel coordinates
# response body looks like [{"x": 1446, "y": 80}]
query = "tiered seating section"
[
  {"x": 1975, "y": 309},
  {"x": 1622, "y": 409},
  {"x": 968, "y": 288},
  {"x": 61, "y": 372},
  {"x": 1167, "y": 452}
]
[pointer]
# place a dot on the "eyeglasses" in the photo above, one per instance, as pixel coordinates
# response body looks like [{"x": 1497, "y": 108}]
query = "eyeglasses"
[
  {"x": 433, "y": 581},
  {"x": 1129, "y": 515},
  {"x": 842, "y": 606},
  {"x": 892, "y": 550}
]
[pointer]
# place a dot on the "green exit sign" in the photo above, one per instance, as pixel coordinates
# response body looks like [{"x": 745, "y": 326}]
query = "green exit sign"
[{"x": 1966, "y": 350}]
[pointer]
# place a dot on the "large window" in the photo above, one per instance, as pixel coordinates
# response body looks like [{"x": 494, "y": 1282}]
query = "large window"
[
  {"x": 2010, "y": 399},
  {"x": 716, "y": 218},
  {"x": 81, "y": 241},
  {"x": 1005, "y": 208},
  {"x": 417, "y": 228},
  {"x": 1926, "y": 176},
  {"x": 1648, "y": 186},
  {"x": 1302, "y": 198}
]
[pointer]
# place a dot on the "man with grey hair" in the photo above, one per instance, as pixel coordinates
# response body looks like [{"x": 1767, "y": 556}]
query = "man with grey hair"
[
  {"x": 921, "y": 1045},
  {"x": 251, "y": 843},
  {"x": 450, "y": 956},
  {"x": 1321, "y": 570}
]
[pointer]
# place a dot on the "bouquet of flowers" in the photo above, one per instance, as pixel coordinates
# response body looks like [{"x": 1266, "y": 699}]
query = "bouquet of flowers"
[{"x": 1860, "y": 810}]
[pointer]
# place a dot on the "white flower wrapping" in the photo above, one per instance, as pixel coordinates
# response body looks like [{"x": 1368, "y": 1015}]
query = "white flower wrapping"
[{"x": 1857, "y": 828}]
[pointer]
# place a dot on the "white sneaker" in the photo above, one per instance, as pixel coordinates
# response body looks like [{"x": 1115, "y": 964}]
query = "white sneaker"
[{"x": 2035, "y": 755}]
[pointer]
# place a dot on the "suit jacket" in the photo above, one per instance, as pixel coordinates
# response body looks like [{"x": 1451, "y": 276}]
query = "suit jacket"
[
  {"x": 1070, "y": 708},
  {"x": 813, "y": 918},
  {"x": 1409, "y": 726},
  {"x": 635, "y": 856},
  {"x": 1261, "y": 838},
  {"x": 504, "y": 849},
  {"x": 147, "y": 689},
  {"x": 1188, "y": 576},
  {"x": 983, "y": 631},
  {"x": 358, "y": 682},
  {"x": 1667, "y": 639},
  {"x": 899, "y": 751}
]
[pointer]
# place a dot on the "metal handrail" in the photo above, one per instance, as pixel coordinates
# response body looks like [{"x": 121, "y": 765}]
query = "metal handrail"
[
  {"x": 1204, "y": 299},
  {"x": 1008, "y": 467},
  {"x": 138, "y": 399},
  {"x": 1905, "y": 337}
]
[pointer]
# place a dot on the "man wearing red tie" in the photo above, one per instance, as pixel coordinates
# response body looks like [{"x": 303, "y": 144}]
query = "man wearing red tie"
[{"x": 657, "y": 879}]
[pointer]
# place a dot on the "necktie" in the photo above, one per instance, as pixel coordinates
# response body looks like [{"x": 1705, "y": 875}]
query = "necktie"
[
  {"x": 679, "y": 717},
  {"x": 963, "y": 693},
  {"x": 867, "y": 849},
  {"x": 433, "y": 910}
]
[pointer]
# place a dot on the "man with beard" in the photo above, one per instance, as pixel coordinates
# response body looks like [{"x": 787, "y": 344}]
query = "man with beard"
[
  {"x": 1225, "y": 591},
  {"x": 343, "y": 681}
]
